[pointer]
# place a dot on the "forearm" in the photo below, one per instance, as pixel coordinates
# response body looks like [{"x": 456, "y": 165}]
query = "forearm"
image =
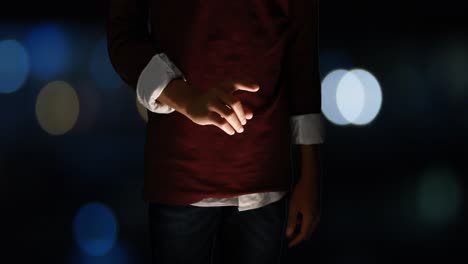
[{"x": 310, "y": 166}]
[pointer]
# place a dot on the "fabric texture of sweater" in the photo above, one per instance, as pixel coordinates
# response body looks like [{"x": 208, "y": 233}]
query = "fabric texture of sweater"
[{"x": 272, "y": 43}]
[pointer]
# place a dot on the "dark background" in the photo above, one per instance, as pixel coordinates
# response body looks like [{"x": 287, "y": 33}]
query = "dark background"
[{"x": 393, "y": 190}]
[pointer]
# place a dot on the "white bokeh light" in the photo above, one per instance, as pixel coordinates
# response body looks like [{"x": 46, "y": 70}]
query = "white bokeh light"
[
  {"x": 351, "y": 97},
  {"x": 373, "y": 97},
  {"x": 57, "y": 108},
  {"x": 329, "y": 106}
]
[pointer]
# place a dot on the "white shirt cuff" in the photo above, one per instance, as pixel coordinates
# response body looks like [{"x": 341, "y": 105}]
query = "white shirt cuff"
[
  {"x": 154, "y": 78},
  {"x": 307, "y": 129}
]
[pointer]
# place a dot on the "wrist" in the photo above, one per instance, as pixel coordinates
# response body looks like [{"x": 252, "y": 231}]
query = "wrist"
[{"x": 177, "y": 94}]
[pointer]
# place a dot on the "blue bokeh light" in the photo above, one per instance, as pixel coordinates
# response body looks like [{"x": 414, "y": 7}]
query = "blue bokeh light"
[
  {"x": 101, "y": 68},
  {"x": 14, "y": 66},
  {"x": 121, "y": 253},
  {"x": 95, "y": 229},
  {"x": 49, "y": 51}
]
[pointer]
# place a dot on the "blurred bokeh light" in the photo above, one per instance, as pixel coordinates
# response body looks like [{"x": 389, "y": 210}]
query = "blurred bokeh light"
[
  {"x": 372, "y": 95},
  {"x": 439, "y": 196},
  {"x": 384, "y": 196},
  {"x": 351, "y": 97},
  {"x": 121, "y": 253},
  {"x": 141, "y": 110},
  {"x": 329, "y": 103},
  {"x": 57, "y": 108},
  {"x": 90, "y": 111},
  {"x": 14, "y": 66},
  {"x": 95, "y": 229},
  {"x": 49, "y": 50},
  {"x": 101, "y": 68}
]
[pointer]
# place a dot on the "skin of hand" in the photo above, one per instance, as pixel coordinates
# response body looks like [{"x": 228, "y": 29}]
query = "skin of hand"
[
  {"x": 305, "y": 199},
  {"x": 217, "y": 106}
]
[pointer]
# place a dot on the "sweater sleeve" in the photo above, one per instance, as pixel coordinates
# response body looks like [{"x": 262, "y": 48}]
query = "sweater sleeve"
[
  {"x": 128, "y": 40},
  {"x": 302, "y": 73},
  {"x": 135, "y": 57}
]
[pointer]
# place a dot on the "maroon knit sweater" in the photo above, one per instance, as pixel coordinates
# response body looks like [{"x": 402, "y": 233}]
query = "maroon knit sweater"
[{"x": 272, "y": 42}]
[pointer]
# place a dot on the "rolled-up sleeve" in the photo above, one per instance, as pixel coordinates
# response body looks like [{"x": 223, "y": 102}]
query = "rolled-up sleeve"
[{"x": 155, "y": 77}]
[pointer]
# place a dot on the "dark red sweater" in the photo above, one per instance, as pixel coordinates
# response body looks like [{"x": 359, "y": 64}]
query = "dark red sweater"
[{"x": 272, "y": 42}]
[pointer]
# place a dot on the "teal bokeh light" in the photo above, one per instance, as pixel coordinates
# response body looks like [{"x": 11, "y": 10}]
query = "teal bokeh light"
[{"x": 439, "y": 196}]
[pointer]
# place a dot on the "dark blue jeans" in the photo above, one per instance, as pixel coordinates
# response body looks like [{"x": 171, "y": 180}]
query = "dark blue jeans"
[{"x": 221, "y": 235}]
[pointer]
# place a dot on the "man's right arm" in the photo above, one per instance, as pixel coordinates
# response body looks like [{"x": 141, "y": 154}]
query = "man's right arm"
[
  {"x": 132, "y": 53},
  {"x": 129, "y": 46},
  {"x": 137, "y": 60}
]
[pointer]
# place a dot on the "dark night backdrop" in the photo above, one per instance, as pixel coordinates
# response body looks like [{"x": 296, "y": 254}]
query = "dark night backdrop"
[{"x": 393, "y": 190}]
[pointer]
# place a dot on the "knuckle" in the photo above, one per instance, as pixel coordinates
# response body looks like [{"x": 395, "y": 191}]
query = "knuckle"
[
  {"x": 222, "y": 123},
  {"x": 230, "y": 113},
  {"x": 226, "y": 125},
  {"x": 199, "y": 121},
  {"x": 213, "y": 103},
  {"x": 235, "y": 101},
  {"x": 212, "y": 121},
  {"x": 209, "y": 105}
]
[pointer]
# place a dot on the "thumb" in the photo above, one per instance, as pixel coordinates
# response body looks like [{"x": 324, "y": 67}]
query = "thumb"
[{"x": 292, "y": 221}]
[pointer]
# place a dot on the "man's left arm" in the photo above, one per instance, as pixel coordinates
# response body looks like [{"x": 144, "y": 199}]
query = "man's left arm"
[{"x": 307, "y": 128}]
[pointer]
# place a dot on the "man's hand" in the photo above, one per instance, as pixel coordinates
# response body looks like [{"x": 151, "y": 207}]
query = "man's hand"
[
  {"x": 219, "y": 107},
  {"x": 305, "y": 201}
]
